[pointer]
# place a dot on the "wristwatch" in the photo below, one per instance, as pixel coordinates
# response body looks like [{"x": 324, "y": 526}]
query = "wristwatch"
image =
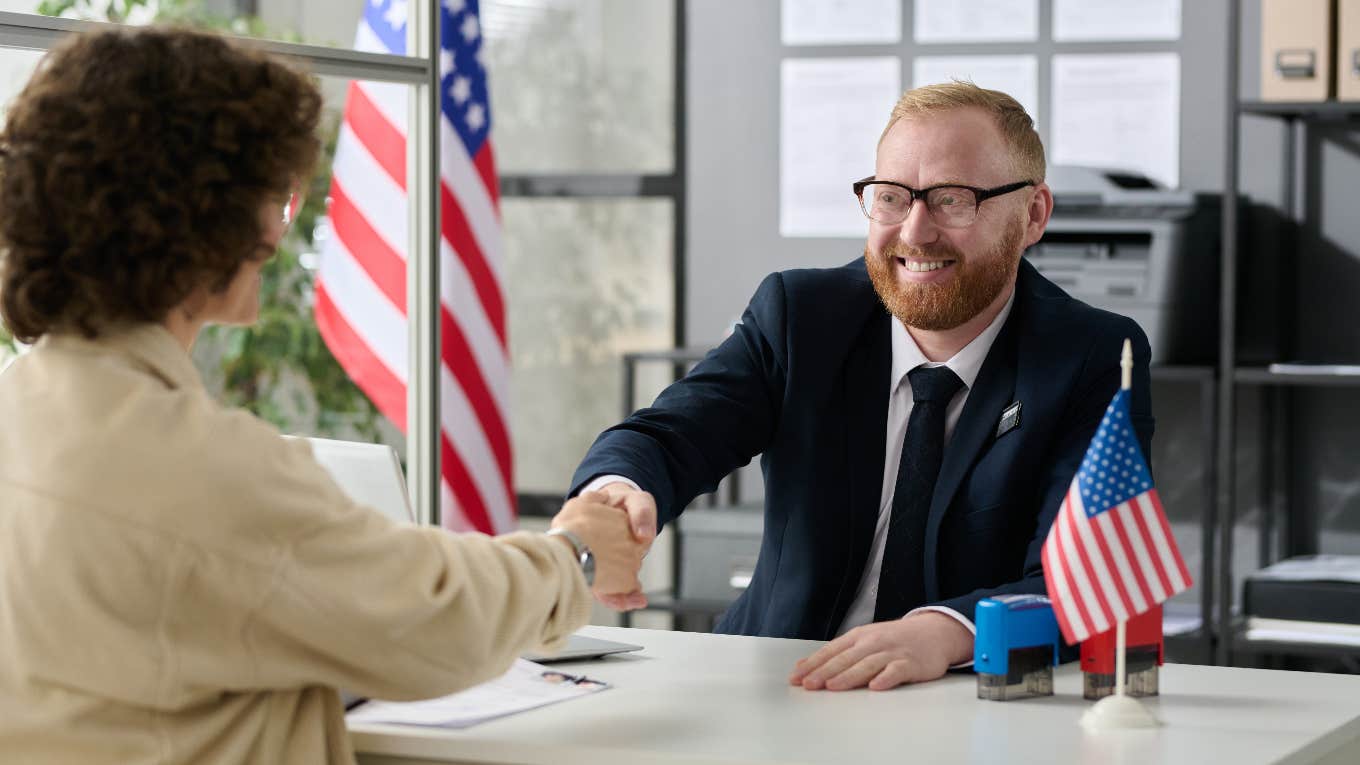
[{"x": 583, "y": 553}]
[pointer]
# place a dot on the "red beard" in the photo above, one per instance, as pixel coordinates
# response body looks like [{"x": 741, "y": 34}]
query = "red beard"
[{"x": 977, "y": 281}]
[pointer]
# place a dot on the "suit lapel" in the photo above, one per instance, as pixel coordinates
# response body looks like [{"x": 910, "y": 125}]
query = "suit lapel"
[
  {"x": 866, "y": 405},
  {"x": 991, "y": 393}
]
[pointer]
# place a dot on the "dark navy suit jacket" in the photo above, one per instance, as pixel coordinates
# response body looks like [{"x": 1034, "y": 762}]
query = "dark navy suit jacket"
[{"x": 803, "y": 381}]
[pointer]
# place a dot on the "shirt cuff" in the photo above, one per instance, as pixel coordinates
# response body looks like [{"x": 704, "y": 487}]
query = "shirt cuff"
[
  {"x": 605, "y": 480},
  {"x": 956, "y": 616}
]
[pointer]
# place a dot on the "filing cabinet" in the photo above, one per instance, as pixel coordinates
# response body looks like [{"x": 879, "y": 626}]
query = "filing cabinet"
[{"x": 718, "y": 550}]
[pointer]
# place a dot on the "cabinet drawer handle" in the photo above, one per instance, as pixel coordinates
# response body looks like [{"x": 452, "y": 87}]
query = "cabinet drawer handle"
[{"x": 1296, "y": 64}]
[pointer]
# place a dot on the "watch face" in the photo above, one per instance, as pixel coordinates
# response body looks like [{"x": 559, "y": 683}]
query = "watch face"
[{"x": 588, "y": 566}]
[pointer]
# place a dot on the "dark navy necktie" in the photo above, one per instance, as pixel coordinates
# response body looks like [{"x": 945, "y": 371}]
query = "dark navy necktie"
[{"x": 901, "y": 583}]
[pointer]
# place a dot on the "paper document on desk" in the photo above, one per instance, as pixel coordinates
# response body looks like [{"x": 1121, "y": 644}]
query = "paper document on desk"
[{"x": 526, "y": 686}]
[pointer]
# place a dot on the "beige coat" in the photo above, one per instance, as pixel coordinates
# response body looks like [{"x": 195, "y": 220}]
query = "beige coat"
[{"x": 179, "y": 584}]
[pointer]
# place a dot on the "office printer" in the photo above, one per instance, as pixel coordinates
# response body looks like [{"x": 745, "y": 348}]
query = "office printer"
[{"x": 1118, "y": 242}]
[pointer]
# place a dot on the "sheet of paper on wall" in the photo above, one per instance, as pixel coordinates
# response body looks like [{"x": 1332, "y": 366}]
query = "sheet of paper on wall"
[
  {"x": 832, "y": 111},
  {"x": 1017, "y": 76},
  {"x": 1076, "y": 20},
  {"x": 840, "y": 22},
  {"x": 968, "y": 21},
  {"x": 1118, "y": 111},
  {"x": 526, "y": 686}
]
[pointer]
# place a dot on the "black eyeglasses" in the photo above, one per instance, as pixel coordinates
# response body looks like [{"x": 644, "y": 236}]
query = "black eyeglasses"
[{"x": 950, "y": 206}]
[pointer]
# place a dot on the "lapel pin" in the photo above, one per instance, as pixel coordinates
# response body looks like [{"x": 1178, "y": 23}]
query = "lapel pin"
[{"x": 1010, "y": 420}]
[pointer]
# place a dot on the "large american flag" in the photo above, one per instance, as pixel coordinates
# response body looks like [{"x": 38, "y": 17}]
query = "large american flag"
[
  {"x": 1110, "y": 554},
  {"x": 361, "y": 289}
]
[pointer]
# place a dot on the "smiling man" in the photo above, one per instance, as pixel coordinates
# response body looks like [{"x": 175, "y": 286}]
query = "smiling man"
[{"x": 913, "y": 457}]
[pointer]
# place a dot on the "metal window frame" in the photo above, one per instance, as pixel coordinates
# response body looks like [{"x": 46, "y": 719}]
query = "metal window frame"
[
  {"x": 670, "y": 186},
  {"x": 25, "y": 31}
]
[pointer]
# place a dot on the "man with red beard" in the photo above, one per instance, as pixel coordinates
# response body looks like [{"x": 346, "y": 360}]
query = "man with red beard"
[{"x": 914, "y": 458}]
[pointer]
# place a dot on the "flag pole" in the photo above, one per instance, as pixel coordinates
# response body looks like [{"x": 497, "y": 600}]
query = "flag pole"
[
  {"x": 1120, "y": 710},
  {"x": 1125, "y": 383}
]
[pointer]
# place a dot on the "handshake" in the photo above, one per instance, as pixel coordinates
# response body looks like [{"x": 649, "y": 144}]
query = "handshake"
[{"x": 618, "y": 524}]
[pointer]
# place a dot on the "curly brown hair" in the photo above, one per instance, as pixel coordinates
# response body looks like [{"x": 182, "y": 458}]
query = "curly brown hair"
[{"x": 133, "y": 167}]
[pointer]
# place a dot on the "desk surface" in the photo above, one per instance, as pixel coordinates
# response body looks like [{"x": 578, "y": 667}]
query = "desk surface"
[{"x": 723, "y": 699}]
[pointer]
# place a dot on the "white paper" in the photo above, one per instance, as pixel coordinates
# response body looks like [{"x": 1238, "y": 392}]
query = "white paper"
[
  {"x": 840, "y": 22},
  {"x": 1118, "y": 111},
  {"x": 1075, "y": 20},
  {"x": 1291, "y": 631},
  {"x": 832, "y": 111},
  {"x": 942, "y": 21},
  {"x": 526, "y": 686},
  {"x": 1017, "y": 76}
]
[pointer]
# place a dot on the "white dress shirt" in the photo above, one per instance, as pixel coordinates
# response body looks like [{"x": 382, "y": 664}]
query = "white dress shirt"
[{"x": 906, "y": 356}]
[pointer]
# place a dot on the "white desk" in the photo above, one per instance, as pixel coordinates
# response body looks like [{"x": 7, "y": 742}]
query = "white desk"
[{"x": 722, "y": 699}]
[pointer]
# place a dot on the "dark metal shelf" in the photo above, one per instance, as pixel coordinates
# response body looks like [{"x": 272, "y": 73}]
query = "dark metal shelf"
[
  {"x": 1263, "y": 376},
  {"x": 677, "y": 355},
  {"x": 1314, "y": 111},
  {"x": 1176, "y": 373}
]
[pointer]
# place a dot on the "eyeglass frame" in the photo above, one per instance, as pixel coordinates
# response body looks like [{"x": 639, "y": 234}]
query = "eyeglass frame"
[
  {"x": 292, "y": 207},
  {"x": 979, "y": 196}
]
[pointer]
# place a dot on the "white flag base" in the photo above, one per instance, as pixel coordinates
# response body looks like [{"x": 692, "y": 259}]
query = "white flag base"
[{"x": 1117, "y": 713}]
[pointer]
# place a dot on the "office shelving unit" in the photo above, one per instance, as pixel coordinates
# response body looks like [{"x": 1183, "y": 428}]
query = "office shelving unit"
[{"x": 1298, "y": 118}]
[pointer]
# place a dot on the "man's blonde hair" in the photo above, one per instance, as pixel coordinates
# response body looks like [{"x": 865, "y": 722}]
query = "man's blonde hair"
[{"x": 1017, "y": 127}]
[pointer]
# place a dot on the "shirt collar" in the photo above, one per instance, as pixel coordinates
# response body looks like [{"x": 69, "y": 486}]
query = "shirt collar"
[
  {"x": 151, "y": 345},
  {"x": 907, "y": 355}
]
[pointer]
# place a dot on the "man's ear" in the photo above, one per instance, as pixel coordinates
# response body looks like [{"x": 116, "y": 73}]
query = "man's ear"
[{"x": 1038, "y": 212}]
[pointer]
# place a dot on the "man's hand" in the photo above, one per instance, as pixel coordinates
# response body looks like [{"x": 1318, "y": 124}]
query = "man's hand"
[
  {"x": 884, "y": 655},
  {"x": 641, "y": 509},
  {"x": 608, "y": 532}
]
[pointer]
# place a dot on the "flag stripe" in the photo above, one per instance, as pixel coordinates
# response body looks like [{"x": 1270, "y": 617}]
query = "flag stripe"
[
  {"x": 474, "y": 198},
  {"x": 1112, "y": 576},
  {"x": 1058, "y": 591},
  {"x": 1076, "y": 571},
  {"x": 372, "y": 317},
  {"x": 458, "y": 357},
  {"x": 1129, "y": 587},
  {"x": 456, "y": 416},
  {"x": 1151, "y": 546},
  {"x": 469, "y": 503},
  {"x": 1177, "y": 563},
  {"x": 386, "y": 392},
  {"x": 481, "y": 336},
  {"x": 371, "y": 190},
  {"x": 379, "y": 137},
  {"x": 1167, "y": 562},
  {"x": 383, "y": 265},
  {"x": 1098, "y": 564},
  {"x": 485, "y": 162},
  {"x": 1127, "y": 543},
  {"x": 1087, "y": 576},
  {"x": 459, "y": 236}
]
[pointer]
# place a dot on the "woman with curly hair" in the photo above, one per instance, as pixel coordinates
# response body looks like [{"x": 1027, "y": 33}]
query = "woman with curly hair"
[{"x": 179, "y": 583}]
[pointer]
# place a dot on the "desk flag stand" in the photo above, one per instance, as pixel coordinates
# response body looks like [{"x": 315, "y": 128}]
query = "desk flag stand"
[
  {"x": 1110, "y": 554},
  {"x": 1120, "y": 710}
]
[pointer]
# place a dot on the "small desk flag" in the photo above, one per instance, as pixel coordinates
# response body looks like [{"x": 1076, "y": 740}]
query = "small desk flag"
[{"x": 1110, "y": 554}]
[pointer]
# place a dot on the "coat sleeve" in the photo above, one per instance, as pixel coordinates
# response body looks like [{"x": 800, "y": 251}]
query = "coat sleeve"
[
  {"x": 334, "y": 593},
  {"x": 711, "y": 422},
  {"x": 1099, "y": 380}
]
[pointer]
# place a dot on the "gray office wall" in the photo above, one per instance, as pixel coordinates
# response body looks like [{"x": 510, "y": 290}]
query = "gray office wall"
[
  {"x": 733, "y": 233},
  {"x": 733, "y": 137}
]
